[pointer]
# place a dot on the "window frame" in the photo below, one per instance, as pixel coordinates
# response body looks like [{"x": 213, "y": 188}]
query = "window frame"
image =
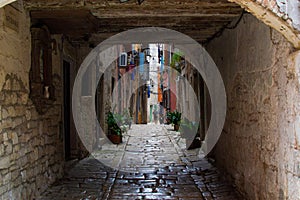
[{"x": 41, "y": 87}]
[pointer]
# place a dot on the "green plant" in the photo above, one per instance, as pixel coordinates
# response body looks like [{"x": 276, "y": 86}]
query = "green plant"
[
  {"x": 188, "y": 128},
  {"x": 175, "y": 117},
  {"x": 176, "y": 61},
  {"x": 113, "y": 122},
  {"x": 169, "y": 117}
]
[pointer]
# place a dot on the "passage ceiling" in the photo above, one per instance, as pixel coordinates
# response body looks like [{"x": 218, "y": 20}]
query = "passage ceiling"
[{"x": 200, "y": 19}]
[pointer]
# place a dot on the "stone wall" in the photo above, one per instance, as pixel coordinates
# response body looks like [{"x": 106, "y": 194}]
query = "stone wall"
[
  {"x": 31, "y": 145},
  {"x": 259, "y": 146}
]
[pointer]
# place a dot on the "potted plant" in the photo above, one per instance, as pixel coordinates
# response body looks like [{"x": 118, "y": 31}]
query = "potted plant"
[
  {"x": 175, "y": 119},
  {"x": 188, "y": 130},
  {"x": 114, "y": 128}
]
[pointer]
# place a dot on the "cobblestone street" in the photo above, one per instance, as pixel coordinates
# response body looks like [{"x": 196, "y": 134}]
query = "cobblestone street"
[{"x": 151, "y": 163}]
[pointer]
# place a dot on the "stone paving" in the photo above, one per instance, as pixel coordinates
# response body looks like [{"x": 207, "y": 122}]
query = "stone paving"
[{"x": 151, "y": 163}]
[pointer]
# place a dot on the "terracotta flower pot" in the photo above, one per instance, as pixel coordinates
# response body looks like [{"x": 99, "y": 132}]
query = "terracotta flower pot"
[
  {"x": 176, "y": 127},
  {"x": 115, "y": 139}
]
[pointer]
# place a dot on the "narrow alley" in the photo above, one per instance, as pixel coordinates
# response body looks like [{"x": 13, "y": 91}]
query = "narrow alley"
[
  {"x": 154, "y": 165},
  {"x": 150, "y": 99}
]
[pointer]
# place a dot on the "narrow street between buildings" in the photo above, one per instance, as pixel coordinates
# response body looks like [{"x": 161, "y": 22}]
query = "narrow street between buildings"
[{"x": 152, "y": 163}]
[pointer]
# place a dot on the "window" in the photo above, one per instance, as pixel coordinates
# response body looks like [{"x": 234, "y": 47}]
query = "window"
[{"x": 41, "y": 88}]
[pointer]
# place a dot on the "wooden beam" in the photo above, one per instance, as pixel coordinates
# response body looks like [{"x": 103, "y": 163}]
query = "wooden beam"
[
  {"x": 132, "y": 4},
  {"x": 78, "y": 18}
]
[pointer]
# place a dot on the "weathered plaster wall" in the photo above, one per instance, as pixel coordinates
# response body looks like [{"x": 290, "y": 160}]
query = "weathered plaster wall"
[
  {"x": 259, "y": 146},
  {"x": 31, "y": 145}
]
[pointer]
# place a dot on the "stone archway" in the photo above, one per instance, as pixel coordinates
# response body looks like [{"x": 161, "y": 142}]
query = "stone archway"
[
  {"x": 283, "y": 16},
  {"x": 5, "y": 2}
]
